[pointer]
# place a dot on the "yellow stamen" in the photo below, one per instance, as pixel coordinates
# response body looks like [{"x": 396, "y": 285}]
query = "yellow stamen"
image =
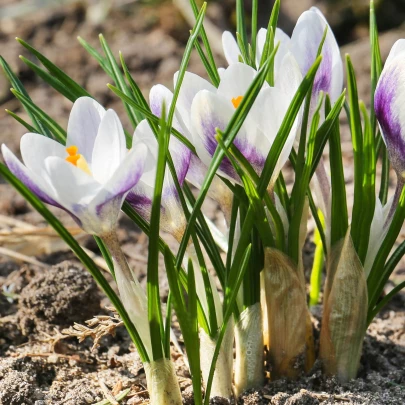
[
  {"x": 72, "y": 150},
  {"x": 236, "y": 101},
  {"x": 76, "y": 159}
]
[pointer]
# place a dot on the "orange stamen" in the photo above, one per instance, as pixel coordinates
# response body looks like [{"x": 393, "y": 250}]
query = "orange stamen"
[
  {"x": 236, "y": 101},
  {"x": 72, "y": 150},
  {"x": 73, "y": 159}
]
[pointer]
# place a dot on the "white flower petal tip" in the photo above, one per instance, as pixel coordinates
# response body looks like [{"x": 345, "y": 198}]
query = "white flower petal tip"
[
  {"x": 84, "y": 121},
  {"x": 388, "y": 104},
  {"x": 305, "y": 41},
  {"x": 230, "y": 47},
  {"x": 89, "y": 183}
]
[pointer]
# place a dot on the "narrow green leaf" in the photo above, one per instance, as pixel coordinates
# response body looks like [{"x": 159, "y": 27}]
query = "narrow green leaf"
[
  {"x": 241, "y": 25},
  {"x": 22, "y": 122},
  {"x": 58, "y": 132},
  {"x": 255, "y": 9},
  {"x": 119, "y": 80},
  {"x": 51, "y": 80},
  {"x": 55, "y": 71},
  {"x": 154, "y": 308},
  {"x": 205, "y": 41},
  {"x": 369, "y": 167},
  {"x": 339, "y": 216},
  {"x": 17, "y": 85},
  {"x": 102, "y": 61},
  {"x": 357, "y": 141}
]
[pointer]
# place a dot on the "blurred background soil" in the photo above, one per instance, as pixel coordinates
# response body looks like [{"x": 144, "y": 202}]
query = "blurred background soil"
[{"x": 38, "y": 301}]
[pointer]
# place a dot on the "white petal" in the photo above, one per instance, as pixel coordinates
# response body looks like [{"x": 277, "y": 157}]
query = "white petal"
[
  {"x": 83, "y": 124},
  {"x": 398, "y": 49},
  {"x": 190, "y": 86},
  {"x": 231, "y": 48},
  {"x": 35, "y": 148},
  {"x": 288, "y": 77},
  {"x": 235, "y": 81},
  {"x": 74, "y": 189},
  {"x": 157, "y": 95},
  {"x": 280, "y": 37},
  {"x": 109, "y": 147},
  {"x": 276, "y": 104}
]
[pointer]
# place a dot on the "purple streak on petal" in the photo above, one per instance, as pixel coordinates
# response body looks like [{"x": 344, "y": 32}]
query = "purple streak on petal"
[
  {"x": 252, "y": 155},
  {"x": 23, "y": 173},
  {"x": 323, "y": 78},
  {"x": 209, "y": 126},
  {"x": 385, "y": 97},
  {"x": 140, "y": 203}
]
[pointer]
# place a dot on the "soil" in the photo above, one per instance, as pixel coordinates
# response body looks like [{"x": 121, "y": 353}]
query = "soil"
[{"x": 41, "y": 366}]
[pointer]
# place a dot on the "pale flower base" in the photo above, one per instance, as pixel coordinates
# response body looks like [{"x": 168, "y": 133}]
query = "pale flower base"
[
  {"x": 249, "y": 364},
  {"x": 222, "y": 382},
  {"x": 162, "y": 383}
]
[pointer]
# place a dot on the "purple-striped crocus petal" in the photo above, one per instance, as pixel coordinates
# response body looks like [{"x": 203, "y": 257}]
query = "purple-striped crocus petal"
[
  {"x": 210, "y": 112},
  {"x": 34, "y": 182},
  {"x": 106, "y": 205},
  {"x": 389, "y": 108},
  {"x": 305, "y": 41},
  {"x": 83, "y": 124},
  {"x": 230, "y": 47},
  {"x": 179, "y": 152}
]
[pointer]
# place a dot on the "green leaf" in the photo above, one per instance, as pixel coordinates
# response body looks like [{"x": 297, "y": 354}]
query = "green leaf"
[
  {"x": 118, "y": 78},
  {"x": 17, "y": 85},
  {"x": 187, "y": 317},
  {"x": 255, "y": 8},
  {"x": 52, "y": 81},
  {"x": 339, "y": 216},
  {"x": 357, "y": 141},
  {"x": 154, "y": 309},
  {"x": 205, "y": 41},
  {"x": 300, "y": 188},
  {"x": 102, "y": 61},
  {"x": 22, "y": 122},
  {"x": 241, "y": 26},
  {"x": 81, "y": 255},
  {"x": 58, "y": 132},
  {"x": 369, "y": 168},
  {"x": 55, "y": 71}
]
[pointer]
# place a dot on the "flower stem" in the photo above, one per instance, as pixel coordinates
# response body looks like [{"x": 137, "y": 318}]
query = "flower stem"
[{"x": 131, "y": 292}]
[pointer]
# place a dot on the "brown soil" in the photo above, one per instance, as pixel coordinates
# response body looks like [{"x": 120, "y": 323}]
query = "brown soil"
[{"x": 37, "y": 365}]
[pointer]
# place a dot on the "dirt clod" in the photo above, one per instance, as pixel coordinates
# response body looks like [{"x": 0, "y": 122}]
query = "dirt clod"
[{"x": 62, "y": 295}]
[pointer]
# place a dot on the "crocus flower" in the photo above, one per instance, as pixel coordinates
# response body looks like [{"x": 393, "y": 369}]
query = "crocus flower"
[
  {"x": 303, "y": 44},
  {"x": 187, "y": 165},
  {"x": 389, "y": 105},
  {"x": 204, "y": 109},
  {"x": 88, "y": 177}
]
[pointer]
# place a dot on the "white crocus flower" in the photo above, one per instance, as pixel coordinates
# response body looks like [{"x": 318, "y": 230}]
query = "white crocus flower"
[
  {"x": 88, "y": 177},
  {"x": 303, "y": 44},
  {"x": 204, "y": 109}
]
